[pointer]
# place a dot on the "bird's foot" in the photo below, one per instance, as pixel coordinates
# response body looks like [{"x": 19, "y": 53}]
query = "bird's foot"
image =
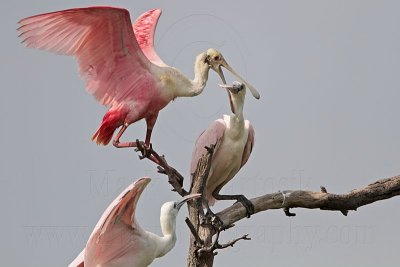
[
  {"x": 144, "y": 149},
  {"x": 288, "y": 213},
  {"x": 247, "y": 204},
  {"x": 214, "y": 220},
  {"x": 210, "y": 218}
]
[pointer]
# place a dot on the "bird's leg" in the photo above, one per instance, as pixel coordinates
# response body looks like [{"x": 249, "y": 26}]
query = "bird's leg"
[
  {"x": 146, "y": 147},
  {"x": 148, "y": 137},
  {"x": 239, "y": 198},
  {"x": 116, "y": 142}
]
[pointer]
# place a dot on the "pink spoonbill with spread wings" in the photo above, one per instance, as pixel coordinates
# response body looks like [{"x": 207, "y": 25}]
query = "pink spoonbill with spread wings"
[
  {"x": 119, "y": 63},
  {"x": 234, "y": 139},
  {"x": 118, "y": 240}
]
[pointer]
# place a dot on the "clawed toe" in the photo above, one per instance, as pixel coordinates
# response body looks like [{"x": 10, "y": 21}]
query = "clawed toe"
[
  {"x": 211, "y": 217},
  {"x": 248, "y": 205},
  {"x": 143, "y": 148}
]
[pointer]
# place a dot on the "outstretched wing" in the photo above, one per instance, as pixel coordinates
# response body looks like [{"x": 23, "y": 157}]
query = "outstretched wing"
[
  {"x": 104, "y": 44},
  {"x": 249, "y": 144},
  {"x": 79, "y": 260},
  {"x": 122, "y": 208},
  {"x": 210, "y": 136},
  {"x": 144, "y": 28}
]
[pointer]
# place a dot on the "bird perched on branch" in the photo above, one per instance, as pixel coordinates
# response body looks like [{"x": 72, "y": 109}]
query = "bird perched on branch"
[
  {"x": 234, "y": 139},
  {"x": 118, "y": 240},
  {"x": 119, "y": 63}
]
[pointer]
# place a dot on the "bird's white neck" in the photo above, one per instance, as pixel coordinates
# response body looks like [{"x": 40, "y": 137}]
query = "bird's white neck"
[
  {"x": 197, "y": 85},
  {"x": 235, "y": 121},
  {"x": 237, "y": 102},
  {"x": 168, "y": 240}
]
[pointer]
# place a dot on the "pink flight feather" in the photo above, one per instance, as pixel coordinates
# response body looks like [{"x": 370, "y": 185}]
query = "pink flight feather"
[{"x": 116, "y": 67}]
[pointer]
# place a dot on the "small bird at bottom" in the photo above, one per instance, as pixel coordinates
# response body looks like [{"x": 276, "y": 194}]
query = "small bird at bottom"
[{"x": 118, "y": 240}]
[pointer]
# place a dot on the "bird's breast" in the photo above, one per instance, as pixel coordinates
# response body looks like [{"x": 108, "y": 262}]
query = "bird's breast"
[{"x": 226, "y": 162}]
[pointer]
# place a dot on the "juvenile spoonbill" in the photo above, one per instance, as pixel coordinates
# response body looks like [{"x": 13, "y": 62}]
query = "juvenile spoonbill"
[
  {"x": 235, "y": 137},
  {"x": 118, "y": 240}
]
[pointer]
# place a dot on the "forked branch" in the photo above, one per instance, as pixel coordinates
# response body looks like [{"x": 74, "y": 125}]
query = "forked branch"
[
  {"x": 174, "y": 177},
  {"x": 203, "y": 249}
]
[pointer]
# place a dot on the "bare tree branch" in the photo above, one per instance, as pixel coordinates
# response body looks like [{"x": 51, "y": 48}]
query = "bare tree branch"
[
  {"x": 216, "y": 245},
  {"x": 202, "y": 246},
  {"x": 379, "y": 190},
  {"x": 233, "y": 242},
  {"x": 174, "y": 177}
]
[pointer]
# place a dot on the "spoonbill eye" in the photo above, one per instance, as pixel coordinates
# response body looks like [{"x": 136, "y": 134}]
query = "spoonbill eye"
[{"x": 216, "y": 58}]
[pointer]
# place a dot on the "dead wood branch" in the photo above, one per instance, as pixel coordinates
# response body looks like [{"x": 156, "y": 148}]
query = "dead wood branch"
[
  {"x": 202, "y": 247},
  {"x": 379, "y": 190}
]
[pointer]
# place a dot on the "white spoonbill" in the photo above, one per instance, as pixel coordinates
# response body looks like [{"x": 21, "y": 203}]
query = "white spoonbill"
[
  {"x": 118, "y": 240},
  {"x": 119, "y": 63},
  {"x": 236, "y": 141}
]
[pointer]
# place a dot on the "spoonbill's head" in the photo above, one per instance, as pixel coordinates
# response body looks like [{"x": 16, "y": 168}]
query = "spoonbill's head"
[
  {"x": 237, "y": 93},
  {"x": 170, "y": 209},
  {"x": 217, "y": 61},
  {"x": 235, "y": 88}
]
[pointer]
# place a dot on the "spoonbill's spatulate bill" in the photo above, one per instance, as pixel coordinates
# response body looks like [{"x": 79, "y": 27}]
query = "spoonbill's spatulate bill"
[
  {"x": 235, "y": 137},
  {"x": 118, "y": 240},
  {"x": 119, "y": 63}
]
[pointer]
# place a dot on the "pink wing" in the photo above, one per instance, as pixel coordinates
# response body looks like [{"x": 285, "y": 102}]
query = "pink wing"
[
  {"x": 249, "y": 144},
  {"x": 144, "y": 28},
  {"x": 104, "y": 44},
  {"x": 209, "y": 137},
  {"x": 122, "y": 208},
  {"x": 79, "y": 260}
]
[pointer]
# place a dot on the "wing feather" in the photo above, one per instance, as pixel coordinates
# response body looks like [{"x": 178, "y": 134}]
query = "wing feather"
[
  {"x": 210, "y": 136},
  {"x": 249, "y": 144},
  {"x": 79, "y": 260},
  {"x": 104, "y": 44},
  {"x": 144, "y": 28},
  {"x": 122, "y": 208}
]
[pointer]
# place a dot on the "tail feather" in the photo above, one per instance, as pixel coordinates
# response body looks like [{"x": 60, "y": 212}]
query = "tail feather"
[{"x": 113, "y": 119}]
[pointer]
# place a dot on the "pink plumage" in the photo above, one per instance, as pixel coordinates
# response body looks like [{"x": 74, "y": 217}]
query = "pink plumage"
[
  {"x": 121, "y": 211},
  {"x": 234, "y": 140},
  {"x": 118, "y": 239},
  {"x": 215, "y": 134},
  {"x": 118, "y": 62},
  {"x": 144, "y": 29},
  {"x": 113, "y": 119}
]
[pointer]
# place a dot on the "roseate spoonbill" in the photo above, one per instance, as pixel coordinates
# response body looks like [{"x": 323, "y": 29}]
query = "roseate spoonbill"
[
  {"x": 234, "y": 137},
  {"x": 119, "y": 63},
  {"x": 118, "y": 240}
]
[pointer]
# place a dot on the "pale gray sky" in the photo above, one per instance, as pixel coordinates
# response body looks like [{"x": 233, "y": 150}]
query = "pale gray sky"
[{"x": 328, "y": 74}]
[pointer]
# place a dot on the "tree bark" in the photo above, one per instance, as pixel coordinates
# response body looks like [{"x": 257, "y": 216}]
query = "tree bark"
[
  {"x": 202, "y": 246},
  {"x": 379, "y": 190},
  {"x": 202, "y": 232}
]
